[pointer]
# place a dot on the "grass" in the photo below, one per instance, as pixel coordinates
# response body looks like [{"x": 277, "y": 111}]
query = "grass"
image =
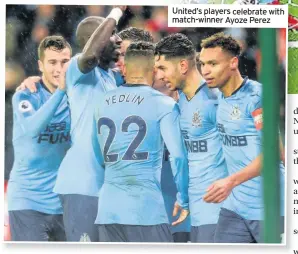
[
  {"x": 293, "y": 10},
  {"x": 293, "y": 35},
  {"x": 292, "y": 66},
  {"x": 293, "y": 71}
]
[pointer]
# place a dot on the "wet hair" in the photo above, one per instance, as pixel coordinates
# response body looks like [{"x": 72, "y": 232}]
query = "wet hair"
[
  {"x": 175, "y": 45},
  {"x": 54, "y": 42},
  {"x": 135, "y": 34},
  {"x": 139, "y": 49},
  {"x": 225, "y": 42},
  {"x": 86, "y": 28}
]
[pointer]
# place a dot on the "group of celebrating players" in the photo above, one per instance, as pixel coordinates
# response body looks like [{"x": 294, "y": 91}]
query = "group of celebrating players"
[{"x": 104, "y": 141}]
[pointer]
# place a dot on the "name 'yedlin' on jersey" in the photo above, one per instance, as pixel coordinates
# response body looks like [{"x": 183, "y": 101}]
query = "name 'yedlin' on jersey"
[{"x": 125, "y": 98}]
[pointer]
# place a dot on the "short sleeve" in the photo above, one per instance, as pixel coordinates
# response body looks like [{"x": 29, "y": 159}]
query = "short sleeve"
[{"x": 24, "y": 105}]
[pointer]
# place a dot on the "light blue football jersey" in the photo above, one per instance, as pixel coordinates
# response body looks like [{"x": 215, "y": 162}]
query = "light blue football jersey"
[
  {"x": 118, "y": 77},
  {"x": 238, "y": 117},
  {"x": 41, "y": 126},
  {"x": 169, "y": 192},
  {"x": 133, "y": 122},
  {"x": 80, "y": 171},
  {"x": 205, "y": 155}
]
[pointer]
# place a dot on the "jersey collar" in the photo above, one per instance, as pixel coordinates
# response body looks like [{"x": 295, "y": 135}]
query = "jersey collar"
[
  {"x": 242, "y": 84},
  {"x": 44, "y": 86},
  {"x": 201, "y": 85}
]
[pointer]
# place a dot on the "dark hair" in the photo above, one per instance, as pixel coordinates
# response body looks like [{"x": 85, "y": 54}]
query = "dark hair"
[
  {"x": 225, "y": 42},
  {"x": 54, "y": 42},
  {"x": 198, "y": 62},
  {"x": 140, "y": 49},
  {"x": 135, "y": 34},
  {"x": 175, "y": 45}
]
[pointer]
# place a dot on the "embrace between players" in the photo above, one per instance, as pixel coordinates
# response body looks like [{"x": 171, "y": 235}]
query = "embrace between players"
[{"x": 91, "y": 138}]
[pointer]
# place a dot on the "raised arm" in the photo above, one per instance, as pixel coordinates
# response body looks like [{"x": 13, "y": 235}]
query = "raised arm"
[{"x": 100, "y": 38}]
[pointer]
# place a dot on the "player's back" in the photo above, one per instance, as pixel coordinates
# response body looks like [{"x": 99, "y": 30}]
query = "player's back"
[
  {"x": 80, "y": 172},
  {"x": 128, "y": 123}
]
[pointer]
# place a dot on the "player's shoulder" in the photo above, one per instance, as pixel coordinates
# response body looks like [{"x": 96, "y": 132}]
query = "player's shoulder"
[
  {"x": 162, "y": 99},
  {"x": 26, "y": 94},
  {"x": 253, "y": 92},
  {"x": 24, "y": 100},
  {"x": 211, "y": 94},
  {"x": 253, "y": 87},
  {"x": 165, "y": 105}
]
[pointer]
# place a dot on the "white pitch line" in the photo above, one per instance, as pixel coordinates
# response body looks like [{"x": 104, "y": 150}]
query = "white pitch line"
[{"x": 293, "y": 44}]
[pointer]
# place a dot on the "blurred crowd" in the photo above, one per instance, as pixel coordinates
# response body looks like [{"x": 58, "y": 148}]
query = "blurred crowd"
[{"x": 27, "y": 25}]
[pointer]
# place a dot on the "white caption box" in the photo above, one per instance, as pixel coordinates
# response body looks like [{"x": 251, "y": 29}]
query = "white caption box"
[{"x": 216, "y": 15}]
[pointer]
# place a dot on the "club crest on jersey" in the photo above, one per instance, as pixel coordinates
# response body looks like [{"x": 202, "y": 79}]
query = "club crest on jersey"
[
  {"x": 196, "y": 119},
  {"x": 236, "y": 113},
  {"x": 25, "y": 106}
]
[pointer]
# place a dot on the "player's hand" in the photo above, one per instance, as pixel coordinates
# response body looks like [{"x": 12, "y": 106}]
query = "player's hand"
[
  {"x": 62, "y": 77},
  {"x": 183, "y": 214},
  {"x": 29, "y": 83},
  {"x": 219, "y": 190},
  {"x": 62, "y": 82},
  {"x": 122, "y": 7}
]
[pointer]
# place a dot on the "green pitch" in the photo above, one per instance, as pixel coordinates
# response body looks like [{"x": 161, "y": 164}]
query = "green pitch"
[
  {"x": 293, "y": 9},
  {"x": 292, "y": 64}
]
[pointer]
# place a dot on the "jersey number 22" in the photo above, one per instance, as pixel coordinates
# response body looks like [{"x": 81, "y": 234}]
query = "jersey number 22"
[{"x": 130, "y": 153}]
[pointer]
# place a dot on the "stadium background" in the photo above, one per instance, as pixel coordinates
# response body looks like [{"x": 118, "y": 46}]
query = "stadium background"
[{"x": 27, "y": 25}]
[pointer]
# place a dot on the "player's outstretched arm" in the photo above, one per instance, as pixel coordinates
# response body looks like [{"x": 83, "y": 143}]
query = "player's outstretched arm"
[
  {"x": 221, "y": 189},
  {"x": 89, "y": 58},
  {"x": 32, "y": 118},
  {"x": 170, "y": 131},
  {"x": 29, "y": 83}
]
